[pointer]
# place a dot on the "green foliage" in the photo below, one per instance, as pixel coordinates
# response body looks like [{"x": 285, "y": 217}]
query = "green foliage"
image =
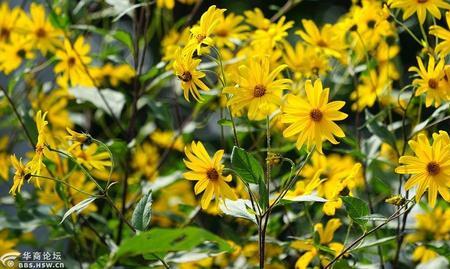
[
  {"x": 142, "y": 214},
  {"x": 356, "y": 209}
]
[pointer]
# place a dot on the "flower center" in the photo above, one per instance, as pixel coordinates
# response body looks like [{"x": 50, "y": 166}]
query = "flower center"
[
  {"x": 186, "y": 76},
  {"x": 433, "y": 83},
  {"x": 316, "y": 115},
  {"x": 259, "y": 90},
  {"x": 433, "y": 168},
  {"x": 222, "y": 32},
  {"x": 200, "y": 38},
  {"x": 71, "y": 61},
  {"x": 371, "y": 24},
  {"x": 41, "y": 33},
  {"x": 321, "y": 43},
  {"x": 212, "y": 174},
  {"x": 422, "y": 1},
  {"x": 21, "y": 53},
  {"x": 4, "y": 33}
]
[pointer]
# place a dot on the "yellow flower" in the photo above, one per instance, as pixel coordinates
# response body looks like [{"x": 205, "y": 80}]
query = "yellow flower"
[
  {"x": 91, "y": 158},
  {"x": 325, "y": 39},
  {"x": 374, "y": 85},
  {"x": 423, "y": 254},
  {"x": 305, "y": 61},
  {"x": 429, "y": 167},
  {"x": 4, "y": 158},
  {"x": 443, "y": 47},
  {"x": 325, "y": 239},
  {"x": 40, "y": 31},
  {"x": 208, "y": 173},
  {"x": 431, "y": 225},
  {"x": 258, "y": 88},
  {"x": 167, "y": 139},
  {"x": 49, "y": 196},
  {"x": 145, "y": 160},
  {"x": 185, "y": 68},
  {"x": 169, "y": 4},
  {"x": 6, "y": 245},
  {"x": 421, "y": 7},
  {"x": 431, "y": 81},
  {"x": 229, "y": 30},
  {"x": 73, "y": 61},
  {"x": 78, "y": 139},
  {"x": 276, "y": 33},
  {"x": 201, "y": 33},
  {"x": 14, "y": 53},
  {"x": 36, "y": 162},
  {"x": 313, "y": 119},
  {"x": 256, "y": 18},
  {"x": 170, "y": 200},
  {"x": 22, "y": 173},
  {"x": 112, "y": 74},
  {"x": 9, "y": 21}
]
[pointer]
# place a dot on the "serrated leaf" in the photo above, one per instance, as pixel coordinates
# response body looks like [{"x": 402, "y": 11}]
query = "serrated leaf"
[
  {"x": 142, "y": 214},
  {"x": 356, "y": 208},
  {"x": 246, "y": 166},
  {"x": 78, "y": 207}
]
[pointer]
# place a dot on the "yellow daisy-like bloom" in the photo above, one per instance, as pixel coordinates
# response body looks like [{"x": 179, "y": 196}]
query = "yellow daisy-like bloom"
[
  {"x": 185, "y": 68},
  {"x": 429, "y": 167},
  {"x": 37, "y": 162},
  {"x": 276, "y": 33},
  {"x": 4, "y": 158},
  {"x": 229, "y": 30},
  {"x": 145, "y": 160},
  {"x": 423, "y": 254},
  {"x": 256, "y": 18},
  {"x": 325, "y": 39},
  {"x": 208, "y": 172},
  {"x": 431, "y": 225},
  {"x": 431, "y": 81},
  {"x": 40, "y": 31},
  {"x": 258, "y": 88},
  {"x": 112, "y": 74},
  {"x": 305, "y": 61},
  {"x": 14, "y": 53},
  {"x": 313, "y": 119},
  {"x": 77, "y": 139},
  {"x": 9, "y": 19},
  {"x": 201, "y": 33},
  {"x": 373, "y": 86},
  {"x": 443, "y": 47},
  {"x": 22, "y": 172},
  {"x": 421, "y": 7},
  {"x": 91, "y": 158},
  {"x": 326, "y": 239},
  {"x": 73, "y": 61},
  {"x": 7, "y": 244},
  {"x": 167, "y": 139}
]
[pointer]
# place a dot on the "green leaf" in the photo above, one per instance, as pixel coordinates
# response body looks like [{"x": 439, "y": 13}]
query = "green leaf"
[
  {"x": 263, "y": 195},
  {"x": 163, "y": 240},
  {"x": 356, "y": 209},
  {"x": 246, "y": 166},
  {"x": 110, "y": 101},
  {"x": 142, "y": 214},
  {"x": 125, "y": 38},
  {"x": 240, "y": 208},
  {"x": 380, "y": 130},
  {"x": 78, "y": 207}
]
